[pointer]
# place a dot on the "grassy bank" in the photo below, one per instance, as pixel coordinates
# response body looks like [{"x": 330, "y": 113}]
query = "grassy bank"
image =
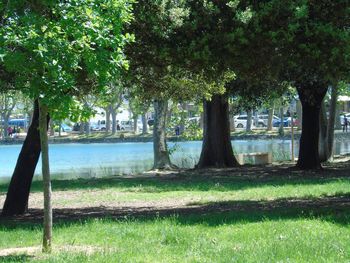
[{"x": 252, "y": 214}]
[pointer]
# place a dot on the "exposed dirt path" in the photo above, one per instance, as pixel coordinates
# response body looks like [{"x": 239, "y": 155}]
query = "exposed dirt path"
[{"x": 188, "y": 205}]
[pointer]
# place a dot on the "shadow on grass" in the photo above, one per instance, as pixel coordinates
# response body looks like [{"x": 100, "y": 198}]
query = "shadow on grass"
[
  {"x": 15, "y": 258},
  {"x": 335, "y": 209},
  {"x": 204, "y": 180}
]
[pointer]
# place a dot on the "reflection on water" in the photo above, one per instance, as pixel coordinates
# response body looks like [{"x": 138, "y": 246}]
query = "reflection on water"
[{"x": 78, "y": 160}]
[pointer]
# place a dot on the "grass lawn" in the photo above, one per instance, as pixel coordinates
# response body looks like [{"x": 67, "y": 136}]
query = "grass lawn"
[{"x": 250, "y": 214}]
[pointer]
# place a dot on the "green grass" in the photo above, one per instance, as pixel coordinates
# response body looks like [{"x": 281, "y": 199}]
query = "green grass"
[{"x": 257, "y": 217}]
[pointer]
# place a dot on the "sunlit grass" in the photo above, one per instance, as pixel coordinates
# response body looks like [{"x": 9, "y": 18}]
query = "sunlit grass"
[{"x": 259, "y": 229}]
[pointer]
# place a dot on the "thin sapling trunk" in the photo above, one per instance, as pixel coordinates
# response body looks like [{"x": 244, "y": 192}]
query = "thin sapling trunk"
[{"x": 47, "y": 235}]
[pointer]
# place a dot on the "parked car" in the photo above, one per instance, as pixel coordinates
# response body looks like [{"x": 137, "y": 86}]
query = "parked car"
[
  {"x": 66, "y": 128},
  {"x": 265, "y": 118},
  {"x": 241, "y": 121},
  {"x": 99, "y": 126},
  {"x": 277, "y": 123},
  {"x": 287, "y": 122},
  {"x": 129, "y": 125},
  {"x": 22, "y": 123}
]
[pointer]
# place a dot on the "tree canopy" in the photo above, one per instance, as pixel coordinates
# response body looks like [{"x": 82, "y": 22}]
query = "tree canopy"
[{"x": 59, "y": 50}]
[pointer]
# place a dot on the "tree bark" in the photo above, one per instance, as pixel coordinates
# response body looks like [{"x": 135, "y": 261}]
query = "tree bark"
[
  {"x": 201, "y": 121},
  {"x": 327, "y": 127},
  {"x": 281, "y": 128},
  {"x": 108, "y": 119},
  {"x": 160, "y": 148},
  {"x": 87, "y": 128},
  {"x": 6, "y": 124},
  {"x": 337, "y": 116},
  {"x": 114, "y": 120},
  {"x": 249, "y": 120},
  {"x": 299, "y": 114},
  {"x": 311, "y": 99},
  {"x": 144, "y": 124},
  {"x": 270, "y": 119},
  {"x": 332, "y": 119},
  {"x": 217, "y": 148},
  {"x": 47, "y": 235},
  {"x": 16, "y": 202},
  {"x": 323, "y": 140},
  {"x": 52, "y": 128},
  {"x": 135, "y": 124},
  {"x": 60, "y": 129}
]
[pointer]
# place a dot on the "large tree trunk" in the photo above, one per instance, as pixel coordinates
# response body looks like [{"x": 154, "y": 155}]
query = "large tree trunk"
[
  {"x": 323, "y": 140},
  {"x": 327, "y": 127},
  {"x": 201, "y": 121},
  {"x": 81, "y": 128},
  {"x": 270, "y": 119},
  {"x": 47, "y": 235},
  {"x": 52, "y": 128},
  {"x": 16, "y": 202},
  {"x": 114, "y": 120},
  {"x": 6, "y": 124},
  {"x": 311, "y": 100},
  {"x": 299, "y": 114},
  {"x": 87, "y": 128},
  {"x": 160, "y": 148},
  {"x": 337, "y": 116},
  {"x": 232, "y": 118},
  {"x": 135, "y": 124},
  {"x": 249, "y": 120},
  {"x": 108, "y": 119},
  {"x": 60, "y": 129},
  {"x": 144, "y": 124},
  {"x": 332, "y": 119},
  {"x": 217, "y": 148},
  {"x": 281, "y": 127}
]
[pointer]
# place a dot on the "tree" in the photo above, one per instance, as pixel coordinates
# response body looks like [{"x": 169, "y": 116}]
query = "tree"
[
  {"x": 138, "y": 106},
  {"x": 217, "y": 149},
  {"x": 321, "y": 37},
  {"x": 301, "y": 42},
  {"x": 327, "y": 124},
  {"x": 58, "y": 52},
  {"x": 16, "y": 202},
  {"x": 206, "y": 42},
  {"x": 111, "y": 102},
  {"x": 152, "y": 67}
]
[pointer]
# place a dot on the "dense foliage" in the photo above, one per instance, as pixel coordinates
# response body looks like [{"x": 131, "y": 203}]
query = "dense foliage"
[{"x": 59, "y": 50}]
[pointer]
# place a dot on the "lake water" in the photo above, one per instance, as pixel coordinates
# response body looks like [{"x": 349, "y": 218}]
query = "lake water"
[{"x": 102, "y": 159}]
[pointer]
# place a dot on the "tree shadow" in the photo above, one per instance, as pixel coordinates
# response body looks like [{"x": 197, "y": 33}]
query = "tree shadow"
[
  {"x": 335, "y": 209},
  {"x": 204, "y": 180},
  {"x": 15, "y": 258}
]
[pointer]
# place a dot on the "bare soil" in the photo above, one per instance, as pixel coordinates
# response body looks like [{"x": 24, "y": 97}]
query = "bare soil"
[{"x": 136, "y": 208}]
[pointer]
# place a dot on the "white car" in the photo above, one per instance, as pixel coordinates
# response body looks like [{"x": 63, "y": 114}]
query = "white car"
[
  {"x": 129, "y": 125},
  {"x": 265, "y": 118},
  {"x": 99, "y": 126},
  {"x": 241, "y": 121}
]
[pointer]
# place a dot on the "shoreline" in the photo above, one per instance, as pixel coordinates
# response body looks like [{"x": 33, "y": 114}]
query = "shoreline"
[{"x": 144, "y": 139}]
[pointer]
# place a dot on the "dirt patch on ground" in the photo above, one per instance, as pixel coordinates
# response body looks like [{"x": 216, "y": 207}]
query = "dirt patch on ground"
[
  {"x": 21, "y": 254},
  {"x": 73, "y": 209},
  {"x": 299, "y": 207}
]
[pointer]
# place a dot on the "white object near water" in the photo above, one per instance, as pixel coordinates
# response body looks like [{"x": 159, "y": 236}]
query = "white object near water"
[{"x": 258, "y": 157}]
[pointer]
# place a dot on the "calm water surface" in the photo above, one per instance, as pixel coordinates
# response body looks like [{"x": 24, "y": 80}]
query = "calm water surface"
[{"x": 100, "y": 159}]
